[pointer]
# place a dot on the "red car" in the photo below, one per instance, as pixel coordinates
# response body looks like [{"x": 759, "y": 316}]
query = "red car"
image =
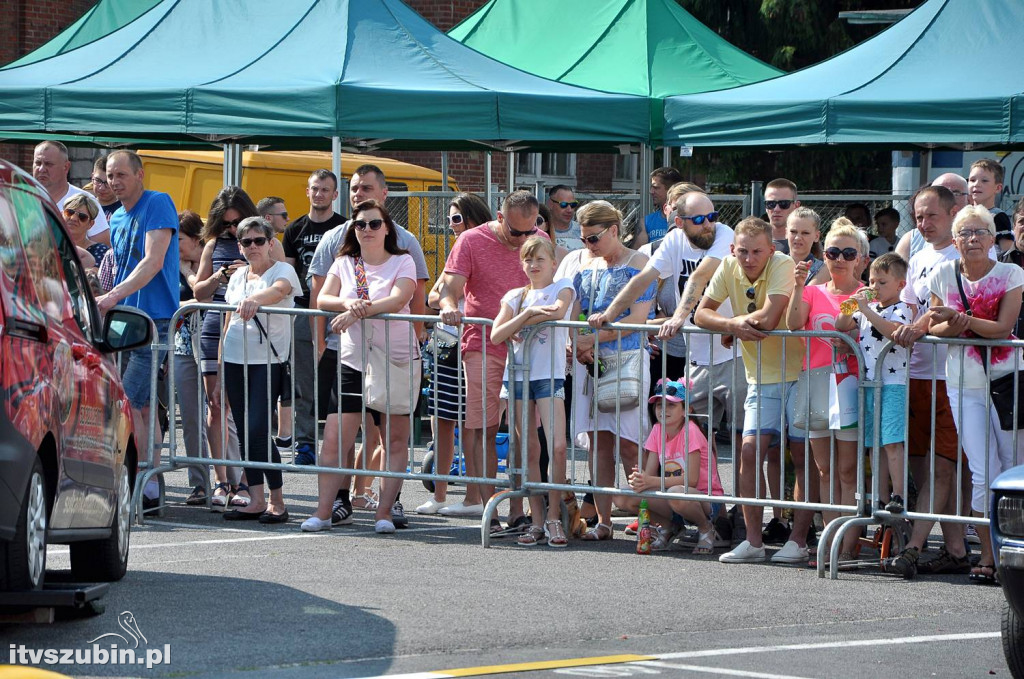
[{"x": 67, "y": 449}]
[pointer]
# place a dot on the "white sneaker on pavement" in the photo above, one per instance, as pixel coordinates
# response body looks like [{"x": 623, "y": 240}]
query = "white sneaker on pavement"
[
  {"x": 462, "y": 509},
  {"x": 744, "y": 553},
  {"x": 314, "y": 524},
  {"x": 384, "y": 526},
  {"x": 431, "y": 506},
  {"x": 791, "y": 553}
]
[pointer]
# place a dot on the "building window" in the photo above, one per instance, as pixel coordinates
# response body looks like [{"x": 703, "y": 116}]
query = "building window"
[
  {"x": 550, "y": 168},
  {"x": 624, "y": 174}
]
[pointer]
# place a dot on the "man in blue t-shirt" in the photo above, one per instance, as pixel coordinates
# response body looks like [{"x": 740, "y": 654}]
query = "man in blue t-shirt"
[
  {"x": 144, "y": 240},
  {"x": 656, "y": 223}
]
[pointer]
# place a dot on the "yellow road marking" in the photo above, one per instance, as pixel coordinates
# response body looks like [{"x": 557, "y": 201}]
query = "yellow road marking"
[{"x": 544, "y": 665}]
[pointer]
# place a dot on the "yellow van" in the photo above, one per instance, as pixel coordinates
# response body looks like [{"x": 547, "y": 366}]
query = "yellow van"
[{"x": 193, "y": 179}]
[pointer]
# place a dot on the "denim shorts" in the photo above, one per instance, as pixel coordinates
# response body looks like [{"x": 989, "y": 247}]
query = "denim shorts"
[
  {"x": 538, "y": 389},
  {"x": 770, "y": 402},
  {"x": 138, "y": 367}
]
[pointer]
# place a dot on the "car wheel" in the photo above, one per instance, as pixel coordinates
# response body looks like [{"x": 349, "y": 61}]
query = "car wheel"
[
  {"x": 427, "y": 467},
  {"x": 1013, "y": 641},
  {"x": 106, "y": 560},
  {"x": 23, "y": 559}
]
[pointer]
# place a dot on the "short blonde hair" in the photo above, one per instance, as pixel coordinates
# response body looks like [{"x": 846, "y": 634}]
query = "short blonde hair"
[
  {"x": 844, "y": 228},
  {"x": 978, "y": 213},
  {"x": 79, "y": 200},
  {"x": 598, "y": 213},
  {"x": 535, "y": 244},
  {"x": 679, "y": 190},
  {"x": 753, "y": 226}
]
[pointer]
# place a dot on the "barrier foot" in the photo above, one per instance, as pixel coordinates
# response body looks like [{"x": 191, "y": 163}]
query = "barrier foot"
[
  {"x": 837, "y": 543},
  {"x": 141, "y": 479},
  {"x": 491, "y": 509},
  {"x": 826, "y": 539}
]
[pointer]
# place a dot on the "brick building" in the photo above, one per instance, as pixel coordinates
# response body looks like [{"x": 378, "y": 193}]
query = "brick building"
[{"x": 27, "y": 24}]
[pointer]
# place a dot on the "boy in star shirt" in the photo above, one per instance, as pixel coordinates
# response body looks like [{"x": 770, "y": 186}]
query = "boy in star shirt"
[{"x": 877, "y": 320}]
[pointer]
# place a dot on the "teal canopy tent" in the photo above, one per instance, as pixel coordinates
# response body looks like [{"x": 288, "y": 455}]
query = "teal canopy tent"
[
  {"x": 948, "y": 74},
  {"x": 372, "y": 72},
  {"x": 651, "y": 48}
]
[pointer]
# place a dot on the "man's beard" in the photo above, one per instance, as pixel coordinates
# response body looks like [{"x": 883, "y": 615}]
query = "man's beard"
[{"x": 702, "y": 241}]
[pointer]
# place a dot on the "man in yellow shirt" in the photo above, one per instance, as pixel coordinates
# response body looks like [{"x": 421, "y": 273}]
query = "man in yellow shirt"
[{"x": 758, "y": 281}]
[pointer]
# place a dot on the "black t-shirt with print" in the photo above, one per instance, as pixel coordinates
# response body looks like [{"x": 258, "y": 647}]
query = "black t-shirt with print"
[{"x": 300, "y": 240}]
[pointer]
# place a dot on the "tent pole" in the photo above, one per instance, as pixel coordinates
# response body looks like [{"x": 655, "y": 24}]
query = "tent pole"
[
  {"x": 926, "y": 161},
  {"x": 511, "y": 171},
  {"x": 336, "y": 169},
  {"x": 232, "y": 164},
  {"x": 666, "y": 156},
  {"x": 646, "y": 156},
  {"x": 487, "y": 180},
  {"x": 444, "y": 170}
]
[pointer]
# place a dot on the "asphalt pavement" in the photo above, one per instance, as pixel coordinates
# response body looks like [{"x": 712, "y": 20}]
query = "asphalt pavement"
[{"x": 270, "y": 601}]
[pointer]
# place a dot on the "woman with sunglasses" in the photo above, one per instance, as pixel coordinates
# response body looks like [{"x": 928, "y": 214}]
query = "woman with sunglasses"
[
  {"x": 985, "y": 303},
  {"x": 815, "y": 307},
  {"x": 80, "y": 216},
  {"x": 371, "y": 276},
  {"x": 599, "y": 272},
  {"x": 254, "y": 350},
  {"x": 218, "y": 263},
  {"x": 446, "y": 399},
  {"x": 803, "y": 233}
]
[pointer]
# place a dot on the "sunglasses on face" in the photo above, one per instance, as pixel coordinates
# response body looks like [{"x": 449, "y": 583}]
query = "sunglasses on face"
[
  {"x": 567, "y": 203},
  {"x": 781, "y": 204},
  {"x": 454, "y": 219},
  {"x": 258, "y": 241},
  {"x": 228, "y": 225},
  {"x": 282, "y": 215},
  {"x": 592, "y": 240},
  {"x": 751, "y": 293},
  {"x": 520, "y": 234},
  {"x": 83, "y": 217},
  {"x": 373, "y": 224},
  {"x": 700, "y": 219},
  {"x": 849, "y": 254}
]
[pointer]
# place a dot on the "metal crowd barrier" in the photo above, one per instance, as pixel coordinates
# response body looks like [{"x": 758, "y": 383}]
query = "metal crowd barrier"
[{"x": 175, "y": 461}]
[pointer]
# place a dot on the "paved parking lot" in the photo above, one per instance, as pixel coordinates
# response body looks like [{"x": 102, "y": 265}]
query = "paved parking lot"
[{"x": 270, "y": 601}]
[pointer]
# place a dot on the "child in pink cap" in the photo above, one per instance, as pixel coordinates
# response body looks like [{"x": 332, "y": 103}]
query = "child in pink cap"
[{"x": 678, "y": 451}]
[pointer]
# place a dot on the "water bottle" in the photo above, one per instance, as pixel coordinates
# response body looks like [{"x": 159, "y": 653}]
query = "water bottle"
[{"x": 643, "y": 531}]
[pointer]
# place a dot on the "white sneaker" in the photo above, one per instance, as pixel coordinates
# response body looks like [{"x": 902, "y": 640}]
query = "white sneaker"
[
  {"x": 431, "y": 506},
  {"x": 972, "y": 534},
  {"x": 384, "y": 526},
  {"x": 791, "y": 553},
  {"x": 744, "y": 553},
  {"x": 314, "y": 524},
  {"x": 462, "y": 509}
]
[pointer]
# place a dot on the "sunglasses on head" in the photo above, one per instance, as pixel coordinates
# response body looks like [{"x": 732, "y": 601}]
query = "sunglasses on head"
[
  {"x": 700, "y": 219},
  {"x": 751, "y": 293},
  {"x": 849, "y": 254},
  {"x": 82, "y": 216},
  {"x": 363, "y": 225},
  {"x": 228, "y": 225},
  {"x": 258, "y": 241},
  {"x": 669, "y": 388},
  {"x": 592, "y": 240},
  {"x": 567, "y": 203},
  {"x": 781, "y": 204}
]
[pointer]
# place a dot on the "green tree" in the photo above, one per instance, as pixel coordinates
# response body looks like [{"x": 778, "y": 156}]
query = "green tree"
[{"x": 792, "y": 34}]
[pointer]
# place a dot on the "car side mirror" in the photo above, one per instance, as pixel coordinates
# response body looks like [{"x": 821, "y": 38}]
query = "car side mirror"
[{"x": 126, "y": 328}]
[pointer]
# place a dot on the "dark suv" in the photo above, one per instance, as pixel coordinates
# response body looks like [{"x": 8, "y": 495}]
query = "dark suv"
[{"x": 67, "y": 450}]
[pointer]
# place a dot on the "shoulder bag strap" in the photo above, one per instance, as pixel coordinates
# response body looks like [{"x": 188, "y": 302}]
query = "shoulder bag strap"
[
  {"x": 263, "y": 331},
  {"x": 967, "y": 305}
]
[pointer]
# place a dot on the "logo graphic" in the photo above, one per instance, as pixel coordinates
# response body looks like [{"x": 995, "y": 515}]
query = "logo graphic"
[{"x": 125, "y": 621}]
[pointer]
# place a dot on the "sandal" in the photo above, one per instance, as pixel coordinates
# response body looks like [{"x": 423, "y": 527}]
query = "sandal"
[
  {"x": 240, "y": 500},
  {"x": 365, "y": 501},
  {"x": 598, "y": 533},
  {"x": 534, "y": 535},
  {"x": 197, "y": 496},
  {"x": 222, "y": 495},
  {"x": 984, "y": 574},
  {"x": 555, "y": 533},
  {"x": 706, "y": 543}
]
